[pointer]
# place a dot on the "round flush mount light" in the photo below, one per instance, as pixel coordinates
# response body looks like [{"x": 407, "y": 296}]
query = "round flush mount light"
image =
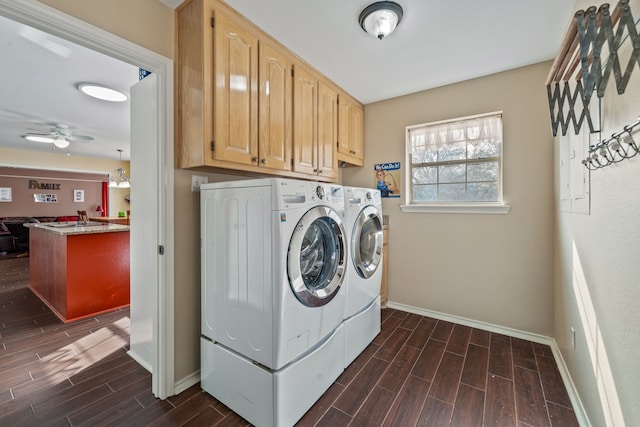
[
  {"x": 102, "y": 92},
  {"x": 381, "y": 18},
  {"x": 36, "y": 138}
]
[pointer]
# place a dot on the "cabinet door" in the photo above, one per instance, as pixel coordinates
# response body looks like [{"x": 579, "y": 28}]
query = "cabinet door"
[
  {"x": 357, "y": 131},
  {"x": 275, "y": 141},
  {"x": 344, "y": 126},
  {"x": 235, "y": 90},
  {"x": 305, "y": 113},
  {"x": 327, "y": 131},
  {"x": 351, "y": 130}
]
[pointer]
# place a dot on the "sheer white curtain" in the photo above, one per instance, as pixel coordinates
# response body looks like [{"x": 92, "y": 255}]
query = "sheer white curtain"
[{"x": 457, "y": 160}]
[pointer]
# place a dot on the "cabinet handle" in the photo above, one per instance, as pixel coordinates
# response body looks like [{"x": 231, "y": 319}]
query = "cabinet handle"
[
  {"x": 263, "y": 161},
  {"x": 254, "y": 159}
]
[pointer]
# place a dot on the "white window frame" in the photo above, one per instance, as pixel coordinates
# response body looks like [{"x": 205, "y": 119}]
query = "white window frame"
[{"x": 498, "y": 207}]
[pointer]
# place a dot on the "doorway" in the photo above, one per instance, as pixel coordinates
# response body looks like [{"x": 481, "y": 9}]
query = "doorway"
[{"x": 57, "y": 23}]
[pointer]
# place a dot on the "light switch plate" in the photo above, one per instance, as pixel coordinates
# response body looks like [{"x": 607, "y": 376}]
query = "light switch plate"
[{"x": 197, "y": 181}]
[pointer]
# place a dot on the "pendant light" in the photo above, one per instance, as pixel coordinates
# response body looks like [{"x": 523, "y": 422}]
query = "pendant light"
[
  {"x": 381, "y": 18},
  {"x": 119, "y": 179}
]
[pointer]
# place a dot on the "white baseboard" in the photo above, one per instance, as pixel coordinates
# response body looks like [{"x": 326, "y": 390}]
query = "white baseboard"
[
  {"x": 140, "y": 361},
  {"x": 187, "y": 382},
  {"x": 578, "y": 408},
  {"x": 180, "y": 385}
]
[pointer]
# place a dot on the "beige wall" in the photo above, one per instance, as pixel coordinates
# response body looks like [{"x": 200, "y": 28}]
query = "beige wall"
[
  {"x": 599, "y": 251},
  {"x": 148, "y": 23},
  {"x": 491, "y": 268},
  {"x": 55, "y": 161},
  {"x": 26, "y": 183}
]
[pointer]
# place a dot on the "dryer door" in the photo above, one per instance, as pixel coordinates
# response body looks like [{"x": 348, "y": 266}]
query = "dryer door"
[
  {"x": 367, "y": 242},
  {"x": 316, "y": 257}
]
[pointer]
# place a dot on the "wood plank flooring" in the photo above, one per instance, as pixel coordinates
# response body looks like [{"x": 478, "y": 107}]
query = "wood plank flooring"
[{"x": 418, "y": 372}]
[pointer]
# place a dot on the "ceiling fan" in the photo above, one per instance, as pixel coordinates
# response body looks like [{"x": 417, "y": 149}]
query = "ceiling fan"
[{"x": 60, "y": 135}]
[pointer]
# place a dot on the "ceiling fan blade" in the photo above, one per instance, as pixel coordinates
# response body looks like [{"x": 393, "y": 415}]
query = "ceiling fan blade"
[
  {"x": 39, "y": 130},
  {"x": 9, "y": 114},
  {"x": 80, "y": 138}
]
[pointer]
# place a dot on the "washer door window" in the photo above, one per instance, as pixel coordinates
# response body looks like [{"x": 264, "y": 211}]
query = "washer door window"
[
  {"x": 315, "y": 262},
  {"x": 367, "y": 242}
]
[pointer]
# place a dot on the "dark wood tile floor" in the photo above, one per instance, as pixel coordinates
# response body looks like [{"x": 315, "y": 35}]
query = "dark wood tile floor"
[{"x": 418, "y": 372}]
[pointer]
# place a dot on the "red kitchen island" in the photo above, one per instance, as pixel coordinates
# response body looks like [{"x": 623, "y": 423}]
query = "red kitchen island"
[{"x": 79, "y": 270}]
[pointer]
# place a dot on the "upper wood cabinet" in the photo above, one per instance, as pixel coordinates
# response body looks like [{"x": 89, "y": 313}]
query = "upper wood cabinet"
[
  {"x": 305, "y": 120},
  {"x": 235, "y": 90},
  {"x": 350, "y": 130},
  {"x": 315, "y": 125},
  {"x": 327, "y": 131},
  {"x": 242, "y": 105},
  {"x": 276, "y": 133}
]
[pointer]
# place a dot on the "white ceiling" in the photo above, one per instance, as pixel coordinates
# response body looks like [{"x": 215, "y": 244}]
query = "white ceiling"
[
  {"x": 38, "y": 77},
  {"x": 437, "y": 43}
]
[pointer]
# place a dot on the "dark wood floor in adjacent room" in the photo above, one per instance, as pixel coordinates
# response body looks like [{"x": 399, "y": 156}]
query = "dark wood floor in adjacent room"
[{"x": 418, "y": 371}]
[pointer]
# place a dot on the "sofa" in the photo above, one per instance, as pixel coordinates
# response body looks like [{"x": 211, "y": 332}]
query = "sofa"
[{"x": 14, "y": 236}]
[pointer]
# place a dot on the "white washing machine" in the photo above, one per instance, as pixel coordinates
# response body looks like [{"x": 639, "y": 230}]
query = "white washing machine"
[
  {"x": 363, "y": 212},
  {"x": 274, "y": 254}
]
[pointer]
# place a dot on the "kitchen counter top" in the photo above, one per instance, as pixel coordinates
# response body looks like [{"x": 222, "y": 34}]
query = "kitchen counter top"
[{"x": 73, "y": 228}]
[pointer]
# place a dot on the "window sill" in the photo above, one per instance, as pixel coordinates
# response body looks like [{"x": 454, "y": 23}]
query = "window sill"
[{"x": 493, "y": 209}]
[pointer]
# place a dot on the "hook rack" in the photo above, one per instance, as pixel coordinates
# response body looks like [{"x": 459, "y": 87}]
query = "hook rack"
[{"x": 615, "y": 149}]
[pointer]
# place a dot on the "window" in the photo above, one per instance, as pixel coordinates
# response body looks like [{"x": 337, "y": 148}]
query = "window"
[{"x": 456, "y": 165}]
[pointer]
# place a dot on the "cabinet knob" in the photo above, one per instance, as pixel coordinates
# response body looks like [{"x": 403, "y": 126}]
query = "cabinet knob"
[
  {"x": 254, "y": 159},
  {"x": 263, "y": 161},
  {"x": 352, "y": 152},
  {"x": 319, "y": 171}
]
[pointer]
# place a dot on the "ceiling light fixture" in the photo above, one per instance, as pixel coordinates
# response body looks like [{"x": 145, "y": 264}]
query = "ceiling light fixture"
[
  {"x": 119, "y": 179},
  {"x": 102, "y": 92},
  {"x": 36, "y": 138},
  {"x": 381, "y": 18}
]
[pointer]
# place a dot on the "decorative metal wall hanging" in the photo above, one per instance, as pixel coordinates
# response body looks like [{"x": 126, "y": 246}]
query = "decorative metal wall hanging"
[
  {"x": 557, "y": 98},
  {"x": 615, "y": 149},
  {"x": 583, "y": 45}
]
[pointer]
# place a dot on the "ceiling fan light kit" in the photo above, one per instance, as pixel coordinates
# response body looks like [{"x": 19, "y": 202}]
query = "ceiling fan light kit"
[
  {"x": 61, "y": 142},
  {"x": 102, "y": 92},
  {"x": 60, "y": 135},
  {"x": 381, "y": 18}
]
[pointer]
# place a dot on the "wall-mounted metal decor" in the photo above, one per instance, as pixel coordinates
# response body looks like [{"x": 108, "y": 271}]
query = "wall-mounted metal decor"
[
  {"x": 45, "y": 198},
  {"x": 618, "y": 147},
  {"x": 580, "y": 58}
]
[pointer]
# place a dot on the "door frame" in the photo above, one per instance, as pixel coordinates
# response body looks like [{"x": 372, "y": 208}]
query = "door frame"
[{"x": 60, "y": 24}]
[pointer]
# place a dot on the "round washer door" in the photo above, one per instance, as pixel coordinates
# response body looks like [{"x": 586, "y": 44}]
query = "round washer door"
[
  {"x": 366, "y": 242},
  {"x": 316, "y": 257}
]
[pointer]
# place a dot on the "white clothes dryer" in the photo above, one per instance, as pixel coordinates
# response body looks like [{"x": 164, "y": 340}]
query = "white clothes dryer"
[
  {"x": 363, "y": 211},
  {"x": 274, "y": 256}
]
